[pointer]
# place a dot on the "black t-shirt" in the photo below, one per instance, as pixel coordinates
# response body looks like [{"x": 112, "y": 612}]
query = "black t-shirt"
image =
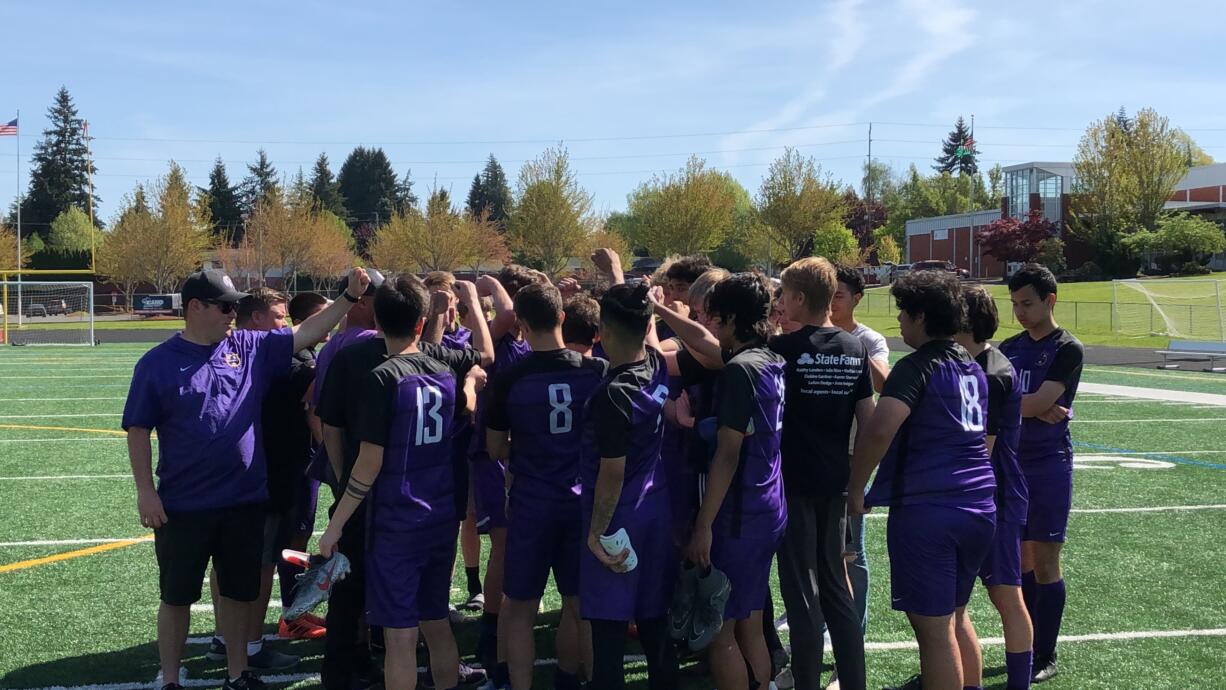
[
  {"x": 826, "y": 376},
  {"x": 284, "y": 431},
  {"x": 342, "y": 386}
]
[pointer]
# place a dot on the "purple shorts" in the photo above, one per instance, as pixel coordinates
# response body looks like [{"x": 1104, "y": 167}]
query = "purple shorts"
[
  {"x": 1003, "y": 564},
  {"x": 1051, "y": 498},
  {"x": 408, "y": 577},
  {"x": 542, "y": 536},
  {"x": 935, "y": 554},
  {"x": 489, "y": 482},
  {"x": 644, "y": 592},
  {"x": 746, "y": 560}
]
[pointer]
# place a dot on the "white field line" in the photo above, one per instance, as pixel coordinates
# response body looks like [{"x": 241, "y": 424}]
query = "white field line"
[
  {"x": 1164, "y": 452},
  {"x": 1167, "y": 420},
  {"x": 40, "y": 386},
  {"x": 61, "y": 440},
  {"x": 60, "y": 416},
  {"x": 1154, "y": 394},
  {"x": 1180, "y": 376},
  {"x": 69, "y": 542},
  {"x": 903, "y": 645},
  {"x": 73, "y": 376},
  {"x": 208, "y": 608},
  {"x": 5, "y": 400},
  {"x": 53, "y": 477}
]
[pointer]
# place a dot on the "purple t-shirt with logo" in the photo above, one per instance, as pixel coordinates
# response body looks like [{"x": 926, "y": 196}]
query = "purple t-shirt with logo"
[
  {"x": 205, "y": 403},
  {"x": 407, "y": 406},
  {"x": 939, "y": 455},
  {"x": 1005, "y": 423},
  {"x": 749, "y": 399},
  {"x": 540, "y": 400},
  {"x": 1046, "y": 449},
  {"x": 334, "y": 345},
  {"x": 625, "y": 418}
]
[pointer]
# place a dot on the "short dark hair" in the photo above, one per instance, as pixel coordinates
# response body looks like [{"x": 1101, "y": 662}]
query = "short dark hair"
[
  {"x": 934, "y": 294},
  {"x": 852, "y": 277},
  {"x": 688, "y": 268},
  {"x": 582, "y": 322},
  {"x": 538, "y": 305},
  {"x": 260, "y": 300},
  {"x": 514, "y": 277},
  {"x": 400, "y": 304},
  {"x": 746, "y": 298},
  {"x": 304, "y": 304},
  {"x": 626, "y": 308},
  {"x": 982, "y": 319},
  {"x": 1036, "y": 276}
]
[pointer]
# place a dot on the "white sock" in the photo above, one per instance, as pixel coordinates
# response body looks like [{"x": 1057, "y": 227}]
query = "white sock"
[{"x": 254, "y": 648}]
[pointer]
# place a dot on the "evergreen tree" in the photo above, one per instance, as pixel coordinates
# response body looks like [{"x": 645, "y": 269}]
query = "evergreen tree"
[
  {"x": 325, "y": 189},
  {"x": 261, "y": 182},
  {"x": 492, "y": 193},
  {"x": 405, "y": 198},
  {"x": 958, "y": 152},
  {"x": 59, "y": 171},
  {"x": 224, "y": 205},
  {"x": 369, "y": 186}
]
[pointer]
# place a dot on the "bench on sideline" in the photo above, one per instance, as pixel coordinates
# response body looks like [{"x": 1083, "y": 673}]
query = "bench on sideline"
[{"x": 1193, "y": 351}]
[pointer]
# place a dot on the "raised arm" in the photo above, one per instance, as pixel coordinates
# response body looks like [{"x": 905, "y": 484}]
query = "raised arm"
[
  {"x": 474, "y": 320},
  {"x": 504, "y": 307},
  {"x": 436, "y": 323},
  {"x": 312, "y": 331},
  {"x": 698, "y": 340},
  {"x": 609, "y": 265}
]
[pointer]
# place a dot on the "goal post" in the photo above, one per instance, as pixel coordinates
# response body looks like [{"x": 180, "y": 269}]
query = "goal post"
[
  {"x": 47, "y": 312},
  {"x": 1176, "y": 307}
]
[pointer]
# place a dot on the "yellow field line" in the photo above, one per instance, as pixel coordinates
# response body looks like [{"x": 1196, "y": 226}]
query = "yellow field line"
[
  {"x": 68, "y": 555},
  {"x": 112, "y": 432}
]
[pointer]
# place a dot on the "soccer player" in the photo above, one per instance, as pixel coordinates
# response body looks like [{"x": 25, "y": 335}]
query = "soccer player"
[
  {"x": 623, "y": 489},
  {"x": 202, "y": 391},
  {"x": 534, "y": 422},
  {"x": 444, "y": 329},
  {"x": 1001, "y": 571},
  {"x": 679, "y": 276},
  {"x": 843, "y": 314},
  {"x": 742, "y": 516},
  {"x": 488, "y": 476},
  {"x": 829, "y": 386},
  {"x": 581, "y": 324},
  {"x": 1048, "y": 359},
  {"x": 928, "y": 434},
  {"x": 402, "y": 415}
]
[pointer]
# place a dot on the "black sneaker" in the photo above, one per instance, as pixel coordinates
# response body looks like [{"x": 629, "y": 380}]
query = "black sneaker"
[
  {"x": 1044, "y": 670},
  {"x": 245, "y": 681},
  {"x": 172, "y": 686},
  {"x": 217, "y": 650},
  {"x": 271, "y": 660},
  {"x": 912, "y": 683}
]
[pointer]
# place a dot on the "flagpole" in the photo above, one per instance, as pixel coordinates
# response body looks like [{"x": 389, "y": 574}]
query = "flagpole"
[
  {"x": 19, "y": 200},
  {"x": 90, "y": 171}
]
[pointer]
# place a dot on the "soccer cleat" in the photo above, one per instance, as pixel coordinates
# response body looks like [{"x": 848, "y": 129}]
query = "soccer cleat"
[
  {"x": 470, "y": 675},
  {"x": 217, "y": 650},
  {"x": 314, "y": 585},
  {"x": 475, "y": 603},
  {"x": 785, "y": 681},
  {"x": 1044, "y": 670},
  {"x": 780, "y": 658},
  {"x": 301, "y": 628},
  {"x": 681, "y": 611},
  {"x": 245, "y": 681},
  {"x": 912, "y": 683},
  {"x": 268, "y": 659},
  {"x": 312, "y": 618},
  {"x": 712, "y": 597}
]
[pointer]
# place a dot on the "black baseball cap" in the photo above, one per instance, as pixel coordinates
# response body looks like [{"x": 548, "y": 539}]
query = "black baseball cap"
[
  {"x": 210, "y": 284},
  {"x": 376, "y": 281}
]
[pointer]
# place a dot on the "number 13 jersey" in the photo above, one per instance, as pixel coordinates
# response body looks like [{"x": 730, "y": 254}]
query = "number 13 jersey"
[{"x": 939, "y": 455}]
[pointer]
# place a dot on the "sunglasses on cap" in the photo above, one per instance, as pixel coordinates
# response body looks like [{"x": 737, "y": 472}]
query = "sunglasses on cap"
[{"x": 223, "y": 307}]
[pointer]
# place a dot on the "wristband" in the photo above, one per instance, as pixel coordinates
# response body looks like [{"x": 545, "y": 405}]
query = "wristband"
[{"x": 351, "y": 298}]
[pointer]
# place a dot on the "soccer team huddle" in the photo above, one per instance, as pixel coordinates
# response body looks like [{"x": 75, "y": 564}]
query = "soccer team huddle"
[{"x": 656, "y": 447}]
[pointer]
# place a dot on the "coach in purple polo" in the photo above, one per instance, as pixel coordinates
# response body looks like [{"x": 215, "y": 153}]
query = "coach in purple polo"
[{"x": 202, "y": 390}]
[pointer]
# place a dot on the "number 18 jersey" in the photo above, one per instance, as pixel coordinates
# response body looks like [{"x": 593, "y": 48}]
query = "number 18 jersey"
[
  {"x": 939, "y": 455},
  {"x": 540, "y": 400}
]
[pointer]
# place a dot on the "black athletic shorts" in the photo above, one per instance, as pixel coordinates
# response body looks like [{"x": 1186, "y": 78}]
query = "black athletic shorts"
[{"x": 232, "y": 537}]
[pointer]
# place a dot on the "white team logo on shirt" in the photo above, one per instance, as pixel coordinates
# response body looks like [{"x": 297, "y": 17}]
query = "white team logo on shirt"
[
  {"x": 805, "y": 358},
  {"x": 225, "y": 280},
  {"x": 233, "y": 360}
]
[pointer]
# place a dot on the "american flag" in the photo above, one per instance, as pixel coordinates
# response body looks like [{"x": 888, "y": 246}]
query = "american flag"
[{"x": 9, "y": 129}]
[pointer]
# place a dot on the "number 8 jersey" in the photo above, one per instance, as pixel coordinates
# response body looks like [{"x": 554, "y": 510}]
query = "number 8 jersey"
[{"x": 939, "y": 455}]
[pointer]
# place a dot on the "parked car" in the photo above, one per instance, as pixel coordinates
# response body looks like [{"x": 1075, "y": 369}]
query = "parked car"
[
  {"x": 56, "y": 307},
  {"x": 33, "y": 309},
  {"x": 939, "y": 265},
  {"x": 898, "y": 271}
]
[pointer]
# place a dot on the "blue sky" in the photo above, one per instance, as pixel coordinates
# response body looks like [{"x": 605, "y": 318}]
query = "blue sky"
[{"x": 629, "y": 88}]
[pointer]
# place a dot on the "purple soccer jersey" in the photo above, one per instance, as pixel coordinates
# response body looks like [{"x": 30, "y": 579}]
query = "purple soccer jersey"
[
  {"x": 1005, "y": 423},
  {"x": 749, "y": 399},
  {"x": 507, "y": 351},
  {"x": 1046, "y": 449},
  {"x": 939, "y": 456},
  {"x": 540, "y": 400},
  {"x": 335, "y": 344},
  {"x": 407, "y": 407},
  {"x": 460, "y": 338},
  {"x": 625, "y": 419},
  {"x": 205, "y": 402}
]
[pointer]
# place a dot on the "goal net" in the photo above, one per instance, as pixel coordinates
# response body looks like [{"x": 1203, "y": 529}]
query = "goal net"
[
  {"x": 1179, "y": 308},
  {"x": 47, "y": 313}
]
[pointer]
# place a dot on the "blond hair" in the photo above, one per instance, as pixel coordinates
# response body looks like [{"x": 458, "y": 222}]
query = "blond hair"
[{"x": 815, "y": 278}]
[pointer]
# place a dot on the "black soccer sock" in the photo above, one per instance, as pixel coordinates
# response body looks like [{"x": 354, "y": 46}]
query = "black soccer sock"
[
  {"x": 473, "y": 573},
  {"x": 502, "y": 675},
  {"x": 487, "y": 641},
  {"x": 565, "y": 681}
]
